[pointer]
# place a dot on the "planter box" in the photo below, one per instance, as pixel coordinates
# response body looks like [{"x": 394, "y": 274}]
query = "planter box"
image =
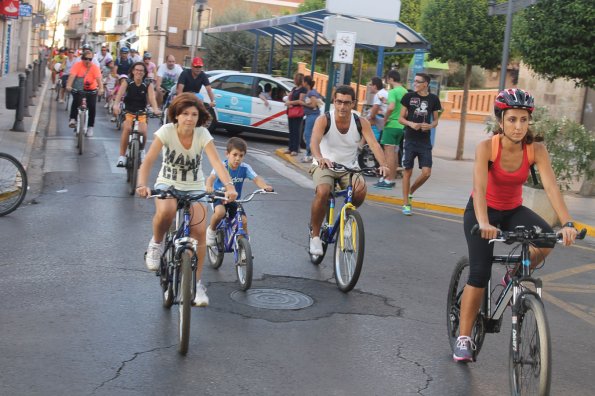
[{"x": 536, "y": 200}]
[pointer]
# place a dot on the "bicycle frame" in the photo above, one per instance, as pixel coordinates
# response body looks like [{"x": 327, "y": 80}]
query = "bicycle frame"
[
  {"x": 233, "y": 228},
  {"x": 340, "y": 220}
]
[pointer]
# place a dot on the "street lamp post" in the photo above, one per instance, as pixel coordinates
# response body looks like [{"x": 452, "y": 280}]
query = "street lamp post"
[{"x": 200, "y": 7}]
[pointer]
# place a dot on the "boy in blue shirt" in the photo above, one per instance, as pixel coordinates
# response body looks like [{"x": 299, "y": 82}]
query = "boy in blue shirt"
[{"x": 239, "y": 172}]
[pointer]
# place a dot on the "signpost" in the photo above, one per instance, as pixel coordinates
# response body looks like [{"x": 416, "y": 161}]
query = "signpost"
[{"x": 388, "y": 10}]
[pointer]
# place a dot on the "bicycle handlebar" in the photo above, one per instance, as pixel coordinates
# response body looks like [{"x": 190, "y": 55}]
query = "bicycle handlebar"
[
  {"x": 82, "y": 91},
  {"x": 180, "y": 196},
  {"x": 251, "y": 195},
  {"x": 522, "y": 234}
]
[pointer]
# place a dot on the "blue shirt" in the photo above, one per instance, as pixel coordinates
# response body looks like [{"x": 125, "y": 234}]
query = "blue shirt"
[{"x": 238, "y": 176}]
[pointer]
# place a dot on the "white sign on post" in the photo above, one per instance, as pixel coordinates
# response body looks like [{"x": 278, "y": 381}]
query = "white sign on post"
[
  {"x": 388, "y": 10},
  {"x": 344, "y": 47},
  {"x": 368, "y": 32}
]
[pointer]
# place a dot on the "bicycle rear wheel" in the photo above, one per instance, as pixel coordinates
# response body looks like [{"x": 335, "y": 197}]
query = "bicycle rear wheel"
[
  {"x": 13, "y": 183},
  {"x": 453, "y": 308},
  {"x": 132, "y": 165},
  {"x": 531, "y": 369},
  {"x": 216, "y": 253},
  {"x": 244, "y": 263},
  {"x": 349, "y": 259},
  {"x": 185, "y": 301}
]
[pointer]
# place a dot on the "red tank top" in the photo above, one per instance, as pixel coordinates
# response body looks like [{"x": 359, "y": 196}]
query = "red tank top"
[{"x": 505, "y": 189}]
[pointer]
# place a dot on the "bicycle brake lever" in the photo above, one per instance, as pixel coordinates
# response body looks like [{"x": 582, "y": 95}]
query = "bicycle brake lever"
[{"x": 497, "y": 240}]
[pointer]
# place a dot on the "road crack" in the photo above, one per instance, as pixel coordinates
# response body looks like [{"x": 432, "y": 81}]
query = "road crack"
[
  {"x": 429, "y": 378},
  {"x": 123, "y": 364}
]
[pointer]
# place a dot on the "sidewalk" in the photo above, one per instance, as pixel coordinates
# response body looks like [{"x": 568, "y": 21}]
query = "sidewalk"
[
  {"x": 18, "y": 144},
  {"x": 449, "y": 187}
]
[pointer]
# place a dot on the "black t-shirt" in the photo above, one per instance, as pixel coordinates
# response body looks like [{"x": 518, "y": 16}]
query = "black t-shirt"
[
  {"x": 136, "y": 96},
  {"x": 192, "y": 84},
  {"x": 420, "y": 109},
  {"x": 296, "y": 92},
  {"x": 123, "y": 67}
]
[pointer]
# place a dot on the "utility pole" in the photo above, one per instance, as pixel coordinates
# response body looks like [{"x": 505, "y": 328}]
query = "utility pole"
[
  {"x": 508, "y": 9},
  {"x": 200, "y": 7},
  {"x": 56, "y": 24}
]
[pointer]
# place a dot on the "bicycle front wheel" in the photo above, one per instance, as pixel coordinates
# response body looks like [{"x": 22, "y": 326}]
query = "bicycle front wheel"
[
  {"x": 133, "y": 165},
  {"x": 185, "y": 301},
  {"x": 458, "y": 281},
  {"x": 13, "y": 183},
  {"x": 215, "y": 253},
  {"x": 531, "y": 368},
  {"x": 244, "y": 263},
  {"x": 80, "y": 131},
  {"x": 349, "y": 255}
]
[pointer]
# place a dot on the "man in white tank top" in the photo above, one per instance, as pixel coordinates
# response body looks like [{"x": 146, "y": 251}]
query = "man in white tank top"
[{"x": 338, "y": 145}]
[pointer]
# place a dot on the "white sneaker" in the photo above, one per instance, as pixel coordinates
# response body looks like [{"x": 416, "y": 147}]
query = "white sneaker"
[
  {"x": 211, "y": 237},
  {"x": 106, "y": 105},
  {"x": 72, "y": 123},
  {"x": 113, "y": 119},
  {"x": 121, "y": 161},
  {"x": 316, "y": 246},
  {"x": 153, "y": 257},
  {"x": 61, "y": 101},
  {"x": 201, "y": 299},
  {"x": 89, "y": 132}
]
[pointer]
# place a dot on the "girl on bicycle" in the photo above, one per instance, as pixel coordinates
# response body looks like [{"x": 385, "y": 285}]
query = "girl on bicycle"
[
  {"x": 182, "y": 144},
  {"x": 496, "y": 202}
]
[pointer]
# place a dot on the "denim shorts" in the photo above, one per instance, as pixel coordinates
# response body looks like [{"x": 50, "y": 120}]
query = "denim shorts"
[
  {"x": 422, "y": 151},
  {"x": 163, "y": 187}
]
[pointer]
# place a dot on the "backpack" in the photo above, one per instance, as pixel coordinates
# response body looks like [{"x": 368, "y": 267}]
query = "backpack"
[
  {"x": 358, "y": 123},
  {"x": 530, "y": 155}
]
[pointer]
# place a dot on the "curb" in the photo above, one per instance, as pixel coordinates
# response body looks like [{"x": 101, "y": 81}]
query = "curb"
[
  {"x": 418, "y": 204},
  {"x": 34, "y": 123}
]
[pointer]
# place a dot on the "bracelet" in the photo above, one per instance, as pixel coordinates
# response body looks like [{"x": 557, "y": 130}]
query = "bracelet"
[
  {"x": 137, "y": 187},
  {"x": 229, "y": 183},
  {"x": 569, "y": 224}
]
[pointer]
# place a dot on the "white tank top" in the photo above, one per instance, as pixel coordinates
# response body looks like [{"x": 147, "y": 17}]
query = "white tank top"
[{"x": 341, "y": 148}]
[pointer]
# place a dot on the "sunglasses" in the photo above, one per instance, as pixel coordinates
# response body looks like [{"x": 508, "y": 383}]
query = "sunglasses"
[
  {"x": 87, "y": 59},
  {"x": 198, "y": 67},
  {"x": 419, "y": 81}
]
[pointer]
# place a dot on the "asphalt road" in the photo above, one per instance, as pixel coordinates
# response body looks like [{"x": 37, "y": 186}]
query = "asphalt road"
[{"x": 80, "y": 314}]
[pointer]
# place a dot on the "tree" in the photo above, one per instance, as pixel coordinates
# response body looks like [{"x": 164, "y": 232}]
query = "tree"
[
  {"x": 555, "y": 38},
  {"x": 312, "y": 5},
  {"x": 461, "y": 31}
]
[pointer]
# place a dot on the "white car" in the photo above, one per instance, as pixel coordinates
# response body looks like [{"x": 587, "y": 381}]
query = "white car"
[{"x": 239, "y": 107}]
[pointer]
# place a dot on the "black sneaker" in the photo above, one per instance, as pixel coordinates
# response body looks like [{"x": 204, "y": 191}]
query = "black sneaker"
[{"x": 464, "y": 348}]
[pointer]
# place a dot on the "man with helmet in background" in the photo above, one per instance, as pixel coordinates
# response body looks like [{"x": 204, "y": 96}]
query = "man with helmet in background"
[
  {"x": 123, "y": 63},
  {"x": 501, "y": 168},
  {"x": 419, "y": 115},
  {"x": 194, "y": 79}
]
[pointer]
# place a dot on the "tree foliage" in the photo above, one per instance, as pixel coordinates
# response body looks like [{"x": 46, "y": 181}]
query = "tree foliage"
[
  {"x": 312, "y": 5},
  {"x": 555, "y": 38},
  {"x": 461, "y": 31}
]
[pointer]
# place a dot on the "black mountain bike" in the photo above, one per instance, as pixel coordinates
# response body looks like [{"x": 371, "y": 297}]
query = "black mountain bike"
[
  {"x": 177, "y": 271},
  {"x": 530, "y": 361}
]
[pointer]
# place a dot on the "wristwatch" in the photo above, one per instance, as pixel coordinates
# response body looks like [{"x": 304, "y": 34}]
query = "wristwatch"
[{"x": 569, "y": 224}]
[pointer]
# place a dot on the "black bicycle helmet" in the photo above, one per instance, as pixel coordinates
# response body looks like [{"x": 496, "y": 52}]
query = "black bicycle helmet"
[
  {"x": 513, "y": 98},
  {"x": 63, "y": 49},
  {"x": 87, "y": 47},
  {"x": 124, "y": 50}
]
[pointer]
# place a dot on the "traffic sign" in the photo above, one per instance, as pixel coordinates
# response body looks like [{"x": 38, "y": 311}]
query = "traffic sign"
[
  {"x": 368, "y": 32},
  {"x": 344, "y": 47},
  {"x": 388, "y": 10}
]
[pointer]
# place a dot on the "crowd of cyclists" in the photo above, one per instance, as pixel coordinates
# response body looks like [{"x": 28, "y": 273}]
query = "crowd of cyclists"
[{"x": 139, "y": 84}]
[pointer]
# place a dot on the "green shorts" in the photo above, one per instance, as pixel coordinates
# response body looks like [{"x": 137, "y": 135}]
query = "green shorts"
[{"x": 392, "y": 136}]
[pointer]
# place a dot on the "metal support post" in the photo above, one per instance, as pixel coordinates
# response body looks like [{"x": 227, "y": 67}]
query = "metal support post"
[
  {"x": 34, "y": 79},
  {"x": 271, "y": 53},
  {"x": 504, "y": 66},
  {"x": 23, "y": 92},
  {"x": 18, "y": 125},
  {"x": 29, "y": 79},
  {"x": 255, "y": 57}
]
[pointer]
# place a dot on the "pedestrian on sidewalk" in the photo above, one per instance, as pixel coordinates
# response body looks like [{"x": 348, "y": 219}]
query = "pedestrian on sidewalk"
[
  {"x": 419, "y": 115},
  {"x": 312, "y": 101},
  {"x": 392, "y": 134}
]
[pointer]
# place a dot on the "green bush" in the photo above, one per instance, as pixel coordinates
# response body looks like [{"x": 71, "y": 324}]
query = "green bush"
[{"x": 570, "y": 145}]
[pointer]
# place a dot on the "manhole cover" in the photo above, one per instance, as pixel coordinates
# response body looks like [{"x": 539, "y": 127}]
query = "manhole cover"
[{"x": 272, "y": 298}]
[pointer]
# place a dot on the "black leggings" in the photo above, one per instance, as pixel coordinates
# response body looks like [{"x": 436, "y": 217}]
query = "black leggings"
[
  {"x": 481, "y": 251},
  {"x": 91, "y": 104}
]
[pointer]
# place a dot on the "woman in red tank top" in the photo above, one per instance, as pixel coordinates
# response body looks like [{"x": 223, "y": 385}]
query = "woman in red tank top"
[{"x": 496, "y": 202}]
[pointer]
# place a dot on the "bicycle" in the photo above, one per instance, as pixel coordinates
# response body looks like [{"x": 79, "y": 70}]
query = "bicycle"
[
  {"x": 82, "y": 118},
  {"x": 177, "y": 271},
  {"x": 350, "y": 244},
  {"x": 133, "y": 156},
  {"x": 120, "y": 117},
  {"x": 13, "y": 183},
  {"x": 530, "y": 351},
  {"x": 58, "y": 85},
  {"x": 231, "y": 237}
]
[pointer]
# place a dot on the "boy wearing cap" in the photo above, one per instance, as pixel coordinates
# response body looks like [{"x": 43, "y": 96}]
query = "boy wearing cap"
[{"x": 194, "y": 79}]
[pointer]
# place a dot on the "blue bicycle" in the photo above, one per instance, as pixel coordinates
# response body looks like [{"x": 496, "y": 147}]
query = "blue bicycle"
[
  {"x": 232, "y": 237},
  {"x": 347, "y": 231}
]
